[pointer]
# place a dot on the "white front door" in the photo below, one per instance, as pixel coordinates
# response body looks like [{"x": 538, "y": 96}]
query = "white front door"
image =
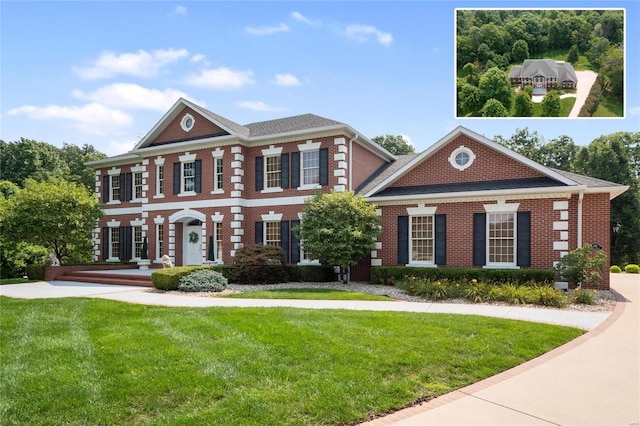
[{"x": 193, "y": 245}]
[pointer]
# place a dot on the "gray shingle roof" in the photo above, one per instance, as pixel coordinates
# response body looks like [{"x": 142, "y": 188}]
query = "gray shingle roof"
[
  {"x": 289, "y": 124},
  {"x": 384, "y": 172},
  {"x": 589, "y": 182},
  {"x": 234, "y": 127},
  {"x": 491, "y": 185},
  {"x": 547, "y": 67}
]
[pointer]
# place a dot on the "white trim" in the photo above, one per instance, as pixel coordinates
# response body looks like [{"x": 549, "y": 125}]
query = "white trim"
[
  {"x": 113, "y": 224},
  {"x": 272, "y": 151},
  {"x": 113, "y": 172},
  {"x": 501, "y": 207},
  {"x": 187, "y": 213},
  {"x": 159, "y": 161},
  {"x": 183, "y": 122},
  {"x": 309, "y": 146},
  {"x": 421, "y": 210},
  {"x": 271, "y": 217},
  {"x": 187, "y": 157},
  {"x": 217, "y": 217},
  {"x": 217, "y": 153},
  {"x": 460, "y": 150},
  {"x": 502, "y": 265}
]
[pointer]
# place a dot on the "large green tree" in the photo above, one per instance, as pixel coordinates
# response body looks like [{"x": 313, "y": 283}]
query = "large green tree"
[
  {"x": 397, "y": 145},
  {"x": 56, "y": 214},
  {"x": 339, "y": 227},
  {"x": 520, "y": 51},
  {"x": 551, "y": 105},
  {"x": 494, "y": 108},
  {"x": 494, "y": 84},
  {"x": 523, "y": 105}
]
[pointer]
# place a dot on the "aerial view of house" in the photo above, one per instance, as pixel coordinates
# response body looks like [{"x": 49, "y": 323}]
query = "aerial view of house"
[
  {"x": 198, "y": 180},
  {"x": 543, "y": 73}
]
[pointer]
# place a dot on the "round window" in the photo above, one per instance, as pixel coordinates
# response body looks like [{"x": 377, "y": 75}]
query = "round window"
[
  {"x": 461, "y": 158},
  {"x": 187, "y": 122}
]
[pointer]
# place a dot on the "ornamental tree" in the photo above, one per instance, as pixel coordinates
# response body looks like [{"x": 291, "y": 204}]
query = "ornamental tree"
[
  {"x": 56, "y": 214},
  {"x": 340, "y": 228}
]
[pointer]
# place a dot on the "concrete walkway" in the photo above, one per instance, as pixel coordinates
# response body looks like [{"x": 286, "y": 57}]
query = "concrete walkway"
[{"x": 592, "y": 380}]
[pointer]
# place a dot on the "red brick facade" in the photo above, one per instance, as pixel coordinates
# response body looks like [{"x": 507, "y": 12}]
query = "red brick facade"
[{"x": 557, "y": 213}]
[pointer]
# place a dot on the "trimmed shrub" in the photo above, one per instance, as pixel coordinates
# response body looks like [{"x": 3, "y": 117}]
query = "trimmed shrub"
[
  {"x": 169, "y": 278},
  {"x": 549, "y": 296},
  {"x": 225, "y": 270},
  {"x": 390, "y": 275},
  {"x": 632, "y": 269},
  {"x": 203, "y": 280},
  {"x": 311, "y": 273},
  {"x": 35, "y": 271},
  {"x": 615, "y": 269},
  {"x": 259, "y": 264}
]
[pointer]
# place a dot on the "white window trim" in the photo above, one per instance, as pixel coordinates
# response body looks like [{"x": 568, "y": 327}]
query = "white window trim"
[
  {"x": 460, "y": 149},
  {"x": 216, "y": 260},
  {"x": 501, "y": 208},
  {"x": 159, "y": 221},
  {"x": 159, "y": 162},
  {"x": 304, "y": 261},
  {"x": 183, "y": 122},
  {"x": 217, "y": 155},
  {"x": 186, "y": 158},
  {"x": 423, "y": 263},
  {"x": 272, "y": 151},
  {"x": 111, "y": 225},
  {"x": 306, "y": 148},
  {"x": 135, "y": 199}
]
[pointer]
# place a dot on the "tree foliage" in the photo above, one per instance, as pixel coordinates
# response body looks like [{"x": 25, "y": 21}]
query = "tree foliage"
[
  {"x": 551, "y": 105},
  {"x": 523, "y": 105},
  {"x": 339, "y": 227},
  {"x": 55, "y": 214},
  {"x": 573, "y": 55},
  {"x": 28, "y": 159},
  {"x": 494, "y": 84},
  {"x": 520, "y": 51},
  {"x": 494, "y": 108},
  {"x": 397, "y": 145}
]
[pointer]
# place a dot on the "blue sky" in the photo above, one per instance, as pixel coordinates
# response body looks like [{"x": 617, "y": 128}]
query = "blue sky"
[{"x": 103, "y": 73}]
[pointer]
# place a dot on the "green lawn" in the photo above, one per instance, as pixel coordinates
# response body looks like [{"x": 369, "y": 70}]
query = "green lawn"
[
  {"x": 93, "y": 361},
  {"x": 609, "y": 107},
  {"x": 307, "y": 294},
  {"x": 15, "y": 281}
]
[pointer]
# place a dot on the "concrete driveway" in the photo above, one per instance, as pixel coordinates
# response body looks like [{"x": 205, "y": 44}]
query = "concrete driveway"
[{"x": 585, "y": 81}]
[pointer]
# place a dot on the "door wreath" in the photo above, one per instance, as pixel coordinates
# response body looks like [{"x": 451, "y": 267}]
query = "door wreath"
[{"x": 193, "y": 237}]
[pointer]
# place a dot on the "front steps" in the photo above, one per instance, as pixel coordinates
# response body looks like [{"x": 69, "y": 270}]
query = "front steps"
[{"x": 108, "y": 278}]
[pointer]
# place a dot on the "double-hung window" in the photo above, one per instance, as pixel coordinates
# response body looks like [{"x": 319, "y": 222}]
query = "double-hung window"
[
  {"x": 115, "y": 187},
  {"x": 217, "y": 238},
  {"x": 422, "y": 239},
  {"x": 218, "y": 183},
  {"x": 159, "y": 240},
  {"x": 189, "y": 177},
  {"x": 310, "y": 168},
  {"x": 272, "y": 234},
  {"x": 137, "y": 242},
  {"x": 114, "y": 249},
  {"x": 137, "y": 185},
  {"x": 160, "y": 180},
  {"x": 501, "y": 239},
  {"x": 273, "y": 170}
]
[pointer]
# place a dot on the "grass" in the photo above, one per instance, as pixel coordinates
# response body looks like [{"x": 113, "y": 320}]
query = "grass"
[
  {"x": 307, "y": 294},
  {"x": 5, "y": 281},
  {"x": 609, "y": 107},
  {"x": 92, "y": 361}
]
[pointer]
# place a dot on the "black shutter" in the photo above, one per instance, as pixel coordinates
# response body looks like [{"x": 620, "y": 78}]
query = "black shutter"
[
  {"x": 259, "y": 173},
  {"x": 284, "y": 170},
  {"x": 176, "y": 178},
  {"x": 403, "y": 240},
  {"x": 198, "y": 179},
  {"x": 105, "y": 243},
  {"x": 259, "y": 231},
  {"x": 479, "y": 239},
  {"x": 128, "y": 243},
  {"x": 284, "y": 239},
  {"x": 128, "y": 187},
  {"x": 295, "y": 244},
  {"x": 441, "y": 240},
  {"x": 295, "y": 169},
  {"x": 324, "y": 166},
  {"x": 524, "y": 239},
  {"x": 121, "y": 244},
  {"x": 105, "y": 189}
]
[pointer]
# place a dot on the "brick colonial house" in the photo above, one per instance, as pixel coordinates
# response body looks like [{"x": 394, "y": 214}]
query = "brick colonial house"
[
  {"x": 543, "y": 73},
  {"x": 199, "y": 186}
]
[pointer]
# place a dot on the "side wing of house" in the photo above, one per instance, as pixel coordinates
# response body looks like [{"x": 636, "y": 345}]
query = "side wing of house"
[{"x": 469, "y": 202}]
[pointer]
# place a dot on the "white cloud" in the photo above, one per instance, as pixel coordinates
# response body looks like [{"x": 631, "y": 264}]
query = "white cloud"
[
  {"x": 92, "y": 118},
  {"x": 287, "y": 80},
  {"x": 634, "y": 110},
  {"x": 362, "y": 33},
  {"x": 220, "y": 78},
  {"x": 120, "y": 147},
  {"x": 127, "y": 95},
  {"x": 139, "y": 64},
  {"x": 180, "y": 10},
  {"x": 257, "y": 106},
  {"x": 301, "y": 18},
  {"x": 199, "y": 57},
  {"x": 266, "y": 30}
]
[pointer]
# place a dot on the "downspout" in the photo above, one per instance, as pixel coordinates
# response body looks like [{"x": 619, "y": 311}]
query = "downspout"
[
  {"x": 351, "y": 160},
  {"x": 580, "y": 199}
]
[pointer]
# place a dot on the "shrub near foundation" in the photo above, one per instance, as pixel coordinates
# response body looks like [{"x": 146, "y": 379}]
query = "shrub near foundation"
[
  {"x": 632, "y": 269},
  {"x": 615, "y": 269},
  {"x": 169, "y": 278},
  {"x": 203, "y": 280}
]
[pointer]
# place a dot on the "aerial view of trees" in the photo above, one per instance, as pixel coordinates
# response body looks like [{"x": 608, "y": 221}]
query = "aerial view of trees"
[{"x": 495, "y": 40}]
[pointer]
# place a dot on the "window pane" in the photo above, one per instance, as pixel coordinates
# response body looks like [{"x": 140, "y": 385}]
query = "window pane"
[
  {"x": 310, "y": 168},
  {"x": 115, "y": 242},
  {"x": 218, "y": 177},
  {"x": 160, "y": 180},
  {"x": 502, "y": 238},
  {"x": 272, "y": 237},
  {"x": 137, "y": 183},
  {"x": 115, "y": 187},
  {"x": 189, "y": 173},
  {"x": 137, "y": 241},
  {"x": 422, "y": 238},
  {"x": 273, "y": 172},
  {"x": 160, "y": 240}
]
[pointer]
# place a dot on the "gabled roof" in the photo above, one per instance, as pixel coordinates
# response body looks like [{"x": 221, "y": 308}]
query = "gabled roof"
[
  {"x": 563, "y": 71},
  {"x": 290, "y": 124},
  {"x": 387, "y": 180},
  {"x": 381, "y": 185}
]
